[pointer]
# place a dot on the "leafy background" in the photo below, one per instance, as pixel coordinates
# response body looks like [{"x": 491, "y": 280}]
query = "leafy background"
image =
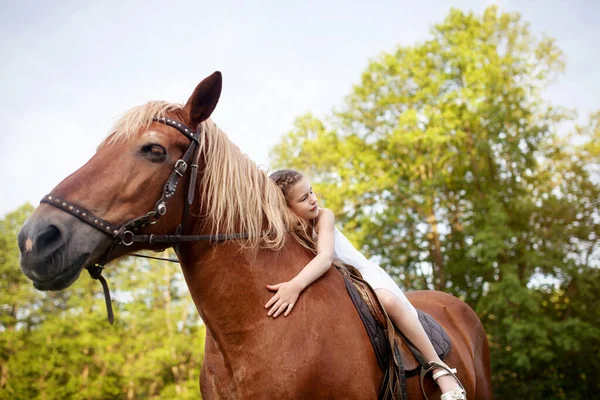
[{"x": 444, "y": 164}]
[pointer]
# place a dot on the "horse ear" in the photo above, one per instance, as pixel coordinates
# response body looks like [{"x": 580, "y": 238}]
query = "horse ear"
[{"x": 204, "y": 99}]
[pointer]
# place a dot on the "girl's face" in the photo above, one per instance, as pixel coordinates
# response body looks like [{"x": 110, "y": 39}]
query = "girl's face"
[{"x": 302, "y": 200}]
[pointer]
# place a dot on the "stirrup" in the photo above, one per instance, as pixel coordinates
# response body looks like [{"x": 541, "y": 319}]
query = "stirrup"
[
  {"x": 443, "y": 373},
  {"x": 458, "y": 393}
]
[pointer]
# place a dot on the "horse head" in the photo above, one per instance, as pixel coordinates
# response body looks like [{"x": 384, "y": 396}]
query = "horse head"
[{"x": 114, "y": 195}]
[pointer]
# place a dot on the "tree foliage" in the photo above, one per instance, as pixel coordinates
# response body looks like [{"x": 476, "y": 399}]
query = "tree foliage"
[
  {"x": 59, "y": 345},
  {"x": 445, "y": 164}
]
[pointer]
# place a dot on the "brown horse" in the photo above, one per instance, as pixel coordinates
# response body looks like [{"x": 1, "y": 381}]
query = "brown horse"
[{"x": 320, "y": 351}]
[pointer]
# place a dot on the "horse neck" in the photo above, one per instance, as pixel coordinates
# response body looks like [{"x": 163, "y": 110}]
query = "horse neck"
[{"x": 228, "y": 284}]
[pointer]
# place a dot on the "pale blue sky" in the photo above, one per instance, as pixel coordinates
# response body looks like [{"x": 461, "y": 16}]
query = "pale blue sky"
[{"x": 69, "y": 68}]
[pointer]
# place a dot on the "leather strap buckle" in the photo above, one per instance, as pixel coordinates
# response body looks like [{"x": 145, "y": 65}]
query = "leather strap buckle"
[{"x": 180, "y": 167}]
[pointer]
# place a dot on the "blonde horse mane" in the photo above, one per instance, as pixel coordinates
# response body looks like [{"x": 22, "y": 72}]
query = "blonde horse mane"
[{"x": 238, "y": 196}]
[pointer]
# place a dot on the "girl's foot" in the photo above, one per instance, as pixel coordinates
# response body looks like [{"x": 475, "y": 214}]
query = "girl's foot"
[
  {"x": 451, "y": 387},
  {"x": 454, "y": 394}
]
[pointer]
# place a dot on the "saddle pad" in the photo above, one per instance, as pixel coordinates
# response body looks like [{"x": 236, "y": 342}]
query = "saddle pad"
[
  {"x": 411, "y": 356},
  {"x": 378, "y": 334},
  {"x": 437, "y": 335}
]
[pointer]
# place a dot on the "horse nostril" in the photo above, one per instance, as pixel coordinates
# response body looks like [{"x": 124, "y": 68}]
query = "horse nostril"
[{"x": 50, "y": 235}]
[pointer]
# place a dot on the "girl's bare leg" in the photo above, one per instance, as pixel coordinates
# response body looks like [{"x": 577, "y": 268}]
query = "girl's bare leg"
[{"x": 410, "y": 326}]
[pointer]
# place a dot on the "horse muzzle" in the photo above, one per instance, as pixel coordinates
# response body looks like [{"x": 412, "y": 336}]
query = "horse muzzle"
[{"x": 55, "y": 247}]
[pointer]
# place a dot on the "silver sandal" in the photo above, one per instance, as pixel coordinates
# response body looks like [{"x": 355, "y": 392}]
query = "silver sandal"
[{"x": 457, "y": 393}]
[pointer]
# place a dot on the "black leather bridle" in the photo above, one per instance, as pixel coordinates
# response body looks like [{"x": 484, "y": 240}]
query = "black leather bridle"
[{"x": 125, "y": 234}]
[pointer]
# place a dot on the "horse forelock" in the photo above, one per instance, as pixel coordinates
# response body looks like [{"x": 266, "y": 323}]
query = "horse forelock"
[
  {"x": 132, "y": 121},
  {"x": 238, "y": 196}
]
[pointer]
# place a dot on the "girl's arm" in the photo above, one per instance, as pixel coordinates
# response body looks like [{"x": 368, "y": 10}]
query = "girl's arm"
[{"x": 288, "y": 292}]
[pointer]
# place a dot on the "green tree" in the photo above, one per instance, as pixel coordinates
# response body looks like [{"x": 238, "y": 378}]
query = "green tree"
[
  {"x": 444, "y": 162},
  {"x": 59, "y": 345},
  {"x": 12, "y": 282}
]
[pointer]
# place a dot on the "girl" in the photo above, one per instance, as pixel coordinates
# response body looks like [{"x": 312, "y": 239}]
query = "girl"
[{"x": 332, "y": 246}]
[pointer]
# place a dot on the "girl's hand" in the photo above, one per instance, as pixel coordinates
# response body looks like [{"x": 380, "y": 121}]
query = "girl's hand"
[{"x": 285, "y": 298}]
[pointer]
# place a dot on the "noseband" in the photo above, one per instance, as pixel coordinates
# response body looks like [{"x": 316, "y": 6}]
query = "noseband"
[{"x": 125, "y": 234}]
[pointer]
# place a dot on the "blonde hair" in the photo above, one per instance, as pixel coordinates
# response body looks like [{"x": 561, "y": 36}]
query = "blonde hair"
[
  {"x": 285, "y": 179},
  {"x": 131, "y": 121},
  {"x": 236, "y": 194}
]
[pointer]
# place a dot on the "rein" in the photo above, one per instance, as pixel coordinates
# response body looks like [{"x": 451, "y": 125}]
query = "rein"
[{"x": 126, "y": 235}]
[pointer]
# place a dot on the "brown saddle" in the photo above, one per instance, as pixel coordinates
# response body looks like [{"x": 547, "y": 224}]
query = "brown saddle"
[{"x": 397, "y": 356}]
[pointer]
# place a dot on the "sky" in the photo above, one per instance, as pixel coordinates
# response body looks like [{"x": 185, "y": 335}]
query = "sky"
[{"x": 68, "y": 69}]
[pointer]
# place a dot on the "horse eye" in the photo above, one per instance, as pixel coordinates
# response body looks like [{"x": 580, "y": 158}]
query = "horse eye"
[{"x": 155, "y": 152}]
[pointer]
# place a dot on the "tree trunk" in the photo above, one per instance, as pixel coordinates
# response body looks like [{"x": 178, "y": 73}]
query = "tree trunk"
[
  {"x": 131, "y": 391},
  {"x": 437, "y": 259},
  {"x": 84, "y": 375},
  {"x": 3, "y": 375}
]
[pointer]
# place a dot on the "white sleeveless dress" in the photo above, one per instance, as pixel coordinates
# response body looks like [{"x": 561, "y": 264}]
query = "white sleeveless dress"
[{"x": 375, "y": 276}]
